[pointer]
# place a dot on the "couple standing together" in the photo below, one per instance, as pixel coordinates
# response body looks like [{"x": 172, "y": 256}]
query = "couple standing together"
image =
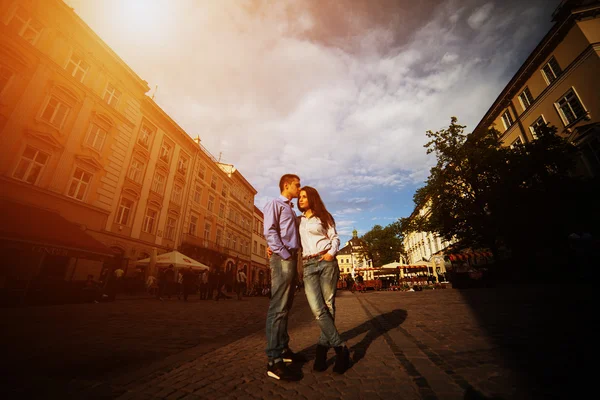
[{"x": 313, "y": 233}]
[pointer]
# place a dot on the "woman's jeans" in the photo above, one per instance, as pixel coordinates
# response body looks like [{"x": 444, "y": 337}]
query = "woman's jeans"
[
  {"x": 320, "y": 285},
  {"x": 283, "y": 277}
]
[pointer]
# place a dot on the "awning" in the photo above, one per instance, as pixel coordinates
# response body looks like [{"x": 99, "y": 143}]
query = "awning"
[
  {"x": 36, "y": 229},
  {"x": 467, "y": 256}
]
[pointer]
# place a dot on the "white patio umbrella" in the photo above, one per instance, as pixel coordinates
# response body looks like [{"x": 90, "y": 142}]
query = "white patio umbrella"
[{"x": 176, "y": 258}]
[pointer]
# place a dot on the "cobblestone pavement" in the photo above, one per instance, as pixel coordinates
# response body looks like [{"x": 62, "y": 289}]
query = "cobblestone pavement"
[{"x": 503, "y": 343}]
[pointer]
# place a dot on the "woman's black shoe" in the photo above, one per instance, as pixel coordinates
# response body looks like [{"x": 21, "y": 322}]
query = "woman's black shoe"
[
  {"x": 320, "y": 358},
  {"x": 342, "y": 359}
]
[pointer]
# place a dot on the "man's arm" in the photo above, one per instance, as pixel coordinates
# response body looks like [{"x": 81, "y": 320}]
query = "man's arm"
[{"x": 272, "y": 235}]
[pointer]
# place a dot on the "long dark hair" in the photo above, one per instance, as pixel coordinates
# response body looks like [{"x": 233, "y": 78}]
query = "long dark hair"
[{"x": 316, "y": 205}]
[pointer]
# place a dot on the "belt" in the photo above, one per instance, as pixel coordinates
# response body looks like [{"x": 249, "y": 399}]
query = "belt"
[{"x": 315, "y": 255}]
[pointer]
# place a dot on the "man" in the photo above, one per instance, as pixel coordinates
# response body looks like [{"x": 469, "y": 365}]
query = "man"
[
  {"x": 241, "y": 283},
  {"x": 188, "y": 283},
  {"x": 281, "y": 233},
  {"x": 170, "y": 281}
]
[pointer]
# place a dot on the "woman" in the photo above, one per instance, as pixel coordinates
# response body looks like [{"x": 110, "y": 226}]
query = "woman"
[{"x": 320, "y": 243}]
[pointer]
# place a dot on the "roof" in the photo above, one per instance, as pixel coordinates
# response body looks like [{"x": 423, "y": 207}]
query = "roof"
[
  {"x": 345, "y": 250},
  {"x": 35, "y": 226}
]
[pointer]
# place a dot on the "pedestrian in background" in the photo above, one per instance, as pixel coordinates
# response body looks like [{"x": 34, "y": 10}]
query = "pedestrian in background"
[
  {"x": 241, "y": 283},
  {"x": 188, "y": 282}
]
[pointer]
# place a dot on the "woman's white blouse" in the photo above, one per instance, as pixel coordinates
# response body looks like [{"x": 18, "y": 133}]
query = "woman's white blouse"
[{"x": 315, "y": 239}]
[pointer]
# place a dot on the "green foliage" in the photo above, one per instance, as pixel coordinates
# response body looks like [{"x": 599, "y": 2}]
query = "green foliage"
[
  {"x": 383, "y": 243},
  {"x": 483, "y": 194}
]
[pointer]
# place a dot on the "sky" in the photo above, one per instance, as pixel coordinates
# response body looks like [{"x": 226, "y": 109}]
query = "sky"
[{"x": 339, "y": 92}]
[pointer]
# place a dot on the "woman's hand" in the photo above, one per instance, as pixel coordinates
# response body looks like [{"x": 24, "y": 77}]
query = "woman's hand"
[{"x": 327, "y": 257}]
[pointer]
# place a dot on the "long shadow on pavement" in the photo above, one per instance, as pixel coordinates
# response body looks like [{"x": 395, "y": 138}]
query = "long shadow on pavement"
[{"x": 374, "y": 328}]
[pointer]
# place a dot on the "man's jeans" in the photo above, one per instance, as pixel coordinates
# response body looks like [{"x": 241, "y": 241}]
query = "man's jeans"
[
  {"x": 283, "y": 277},
  {"x": 320, "y": 285}
]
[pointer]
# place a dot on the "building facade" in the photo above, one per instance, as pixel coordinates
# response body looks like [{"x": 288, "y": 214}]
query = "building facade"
[
  {"x": 558, "y": 84},
  {"x": 260, "y": 271},
  {"x": 80, "y": 137},
  {"x": 352, "y": 259}
]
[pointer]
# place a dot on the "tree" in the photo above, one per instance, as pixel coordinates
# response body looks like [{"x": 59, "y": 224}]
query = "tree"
[
  {"x": 383, "y": 245},
  {"x": 484, "y": 194}
]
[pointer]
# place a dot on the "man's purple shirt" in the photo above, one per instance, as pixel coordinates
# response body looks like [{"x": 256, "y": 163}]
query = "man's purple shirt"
[{"x": 281, "y": 230}]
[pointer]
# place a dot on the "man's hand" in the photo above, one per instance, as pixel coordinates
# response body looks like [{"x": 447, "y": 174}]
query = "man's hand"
[
  {"x": 269, "y": 252},
  {"x": 326, "y": 257}
]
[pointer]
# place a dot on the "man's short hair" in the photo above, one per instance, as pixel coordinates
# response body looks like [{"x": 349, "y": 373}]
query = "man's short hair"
[{"x": 287, "y": 178}]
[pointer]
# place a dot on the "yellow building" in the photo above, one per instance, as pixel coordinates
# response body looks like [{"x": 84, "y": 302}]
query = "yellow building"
[
  {"x": 426, "y": 248},
  {"x": 260, "y": 272},
  {"x": 352, "y": 259},
  {"x": 80, "y": 138},
  {"x": 559, "y": 84}
]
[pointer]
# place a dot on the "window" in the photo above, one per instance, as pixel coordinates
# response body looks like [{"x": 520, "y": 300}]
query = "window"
[
  {"x": 158, "y": 184},
  {"x": 211, "y": 203},
  {"x": 234, "y": 241},
  {"x": 77, "y": 67},
  {"x": 170, "y": 228},
  {"x": 551, "y": 70},
  {"x": 207, "y": 228},
  {"x": 255, "y": 247},
  {"x": 176, "y": 195},
  {"x": 536, "y": 125},
  {"x": 25, "y": 26},
  {"x": 525, "y": 98},
  {"x": 219, "y": 236},
  {"x": 79, "y": 184},
  {"x": 213, "y": 181},
  {"x": 145, "y": 136},
  {"x": 30, "y": 165},
  {"x": 193, "y": 225},
  {"x": 182, "y": 165},
  {"x": 112, "y": 95},
  {"x": 197, "y": 194},
  {"x": 246, "y": 247},
  {"x": 165, "y": 152},
  {"x": 124, "y": 211},
  {"x": 136, "y": 170},
  {"x": 507, "y": 119},
  {"x": 570, "y": 107},
  {"x": 55, "y": 112},
  {"x": 201, "y": 171},
  {"x": 221, "y": 210},
  {"x": 149, "y": 220},
  {"x": 96, "y": 137},
  {"x": 228, "y": 243},
  {"x": 263, "y": 250},
  {"x": 5, "y": 77},
  {"x": 224, "y": 191},
  {"x": 516, "y": 142}
]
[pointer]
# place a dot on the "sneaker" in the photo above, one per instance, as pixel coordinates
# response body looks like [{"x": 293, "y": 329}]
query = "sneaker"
[
  {"x": 280, "y": 371},
  {"x": 289, "y": 356}
]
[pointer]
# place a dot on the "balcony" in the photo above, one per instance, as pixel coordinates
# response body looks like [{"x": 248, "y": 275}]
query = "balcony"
[{"x": 206, "y": 244}]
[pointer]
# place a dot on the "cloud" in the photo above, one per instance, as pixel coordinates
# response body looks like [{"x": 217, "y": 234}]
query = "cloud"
[
  {"x": 480, "y": 15},
  {"x": 346, "y": 211},
  {"x": 340, "y": 94}
]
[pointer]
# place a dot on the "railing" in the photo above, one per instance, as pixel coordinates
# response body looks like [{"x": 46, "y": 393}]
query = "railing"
[{"x": 210, "y": 245}]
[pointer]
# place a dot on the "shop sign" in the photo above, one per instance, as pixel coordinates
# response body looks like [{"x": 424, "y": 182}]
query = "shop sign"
[{"x": 53, "y": 251}]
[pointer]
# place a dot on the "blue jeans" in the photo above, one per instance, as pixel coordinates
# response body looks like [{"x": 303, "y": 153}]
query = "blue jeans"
[
  {"x": 283, "y": 276},
  {"x": 320, "y": 285}
]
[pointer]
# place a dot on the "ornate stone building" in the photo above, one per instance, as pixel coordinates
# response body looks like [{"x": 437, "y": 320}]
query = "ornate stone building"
[{"x": 81, "y": 141}]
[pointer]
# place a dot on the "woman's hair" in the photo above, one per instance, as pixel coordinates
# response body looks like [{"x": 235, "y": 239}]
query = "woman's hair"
[{"x": 315, "y": 204}]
